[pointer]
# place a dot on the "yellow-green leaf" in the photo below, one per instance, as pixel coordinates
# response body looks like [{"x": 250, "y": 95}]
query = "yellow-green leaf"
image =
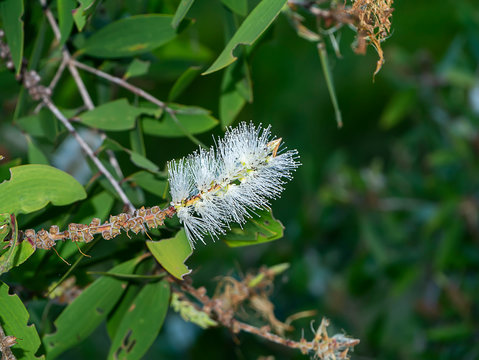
[
  {"x": 130, "y": 36},
  {"x": 254, "y": 25},
  {"x": 172, "y": 254},
  {"x": 14, "y": 320},
  {"x": 32, "y": 187}
]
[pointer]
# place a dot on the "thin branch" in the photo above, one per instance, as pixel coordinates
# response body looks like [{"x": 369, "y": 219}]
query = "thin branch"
[
  {"x": 141, "y": 93},
  {"x": 86, "y": 148},
  {"x": 66, "y": 55},
  {"x": 322, "y": 346},
  {"x": 53, "y": 83}
]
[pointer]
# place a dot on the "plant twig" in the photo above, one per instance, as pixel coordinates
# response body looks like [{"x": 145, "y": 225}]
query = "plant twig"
[
  {"x": 86, "y": 148},
  {"x": 6, "y": 342},
  {"x": 322, "y": 346},
  {"x": 139, "y": 92},
  {"x": 66, "y": 55}
]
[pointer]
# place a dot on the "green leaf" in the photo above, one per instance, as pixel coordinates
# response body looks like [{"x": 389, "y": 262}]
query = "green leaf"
[
  {"x": 181, "y": 12},
  {"x": 257, "y": 230},
  {"x": 114, "y": 116},
  {"x": 115, "y": 317},
  {"x": 236, "y": 90},
  {"x": 191, "y": 119},
  {"x": 32, "y": 187},
  {"x": 65, "y": 18},
  {"x": 150, "y": 182},
  {"x": 131, "y": 36},
  {"x": 183, "y": 82},
  {"x": 190, "y": 313},
  {"x": 172, "y": 253},
  {"x": 137, "y": 68},
  {"x": 142, "y": 322},
  {"x": 17, "y": 253},
  {"x": 35, "y": 155},
  {"x": 239, "y": 7},
  {"x": 41, "y": 125},
  {"x": 137, "y": 159},
  {"x": 87, "y": 311},
  {"x": 85, "y": 9},
  {"x": 254, "y": 25},
  {"x": 398, "y": 107},
  {"x": 14, "y": 320},
  {"x": 12, "y": 12}
]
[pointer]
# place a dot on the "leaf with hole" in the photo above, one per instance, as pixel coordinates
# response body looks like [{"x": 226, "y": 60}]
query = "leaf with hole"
[
  {"x": 87, "y": 311},
  {"x": 142, "y": 322},
  {"x": 172, "y": 253},
  {"x": 14, "y": 319}
]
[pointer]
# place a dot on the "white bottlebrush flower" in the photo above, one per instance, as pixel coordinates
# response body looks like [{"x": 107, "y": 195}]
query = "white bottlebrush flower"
[{"x": 213, "y": 188}]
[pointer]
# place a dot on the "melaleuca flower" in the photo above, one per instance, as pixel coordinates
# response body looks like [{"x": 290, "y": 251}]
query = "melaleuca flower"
[{"x": 213, "y": 188}]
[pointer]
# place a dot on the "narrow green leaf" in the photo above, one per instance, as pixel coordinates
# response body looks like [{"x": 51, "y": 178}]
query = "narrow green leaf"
[
  {"x": 137, "y": 68},
  {"x": 236, "y": 90},
  {"x": 85, "y": 9},
  {"x": 41, "y": 125},
  {"x": 398, "y": 108},
  {"x": 142, "y": 322},
  {"x": 181, "y": 12},
  {"x": 257, "y": 230},
  {"x": 114, "y": 116},
  {"x": 150, "y": 182},
  {"x": 35, "y": 155},
  {"x": 131, "y": 36},
  {"x": 116, "y": 315},
  {"x": 193, "y": 120},
  {"x": 328, "y": 76},
  {"x": 32, "y": 187},
  {"x": 65, "y": 18},
  {"x": 239, "y": 7},
  {"x": 14, "y": 320},
  {"x": 172, "y": 253},
  {"x": 183, "y": 82},
  {"x": 87, "y": 311},
  {"x": 12, "y": 12},
  {"x": 254, "y": 25},
  {"x": 137, "y": 159}
]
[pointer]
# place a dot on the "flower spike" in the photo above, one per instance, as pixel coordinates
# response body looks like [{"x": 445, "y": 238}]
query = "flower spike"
[{"x": 213, "y": 188}]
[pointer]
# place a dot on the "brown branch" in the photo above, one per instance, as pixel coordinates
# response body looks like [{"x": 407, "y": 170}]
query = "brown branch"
[
  {"x": 139, "y": 221},
  {"x": 6, "y": 342},
  {"x": 322, "y": 346}
]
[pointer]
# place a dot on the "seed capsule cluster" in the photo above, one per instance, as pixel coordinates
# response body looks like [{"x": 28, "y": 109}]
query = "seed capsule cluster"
[{"x": 141, "y": 220}]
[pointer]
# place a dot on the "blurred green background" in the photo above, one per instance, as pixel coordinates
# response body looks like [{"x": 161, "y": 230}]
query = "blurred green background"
[{"x": 381, "y": 221}]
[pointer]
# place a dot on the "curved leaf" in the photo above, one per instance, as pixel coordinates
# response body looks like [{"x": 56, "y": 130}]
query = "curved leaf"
[
  {"x": 14, "y": 320},
  {"x": 181, "y": 12},
  {"x": 32, "y": 187},
  {"x": 131, "y": 36},
  {"x": 254, "y": 25},
  {"x": 142, "y": 322},
  {"x": 189, "y": 119},
  {"x": 87, "y": 311},
  {"x": 12, "y": 12},
  {"x": 257, "y": 230},
  {"x": 172, "y": 254}
]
